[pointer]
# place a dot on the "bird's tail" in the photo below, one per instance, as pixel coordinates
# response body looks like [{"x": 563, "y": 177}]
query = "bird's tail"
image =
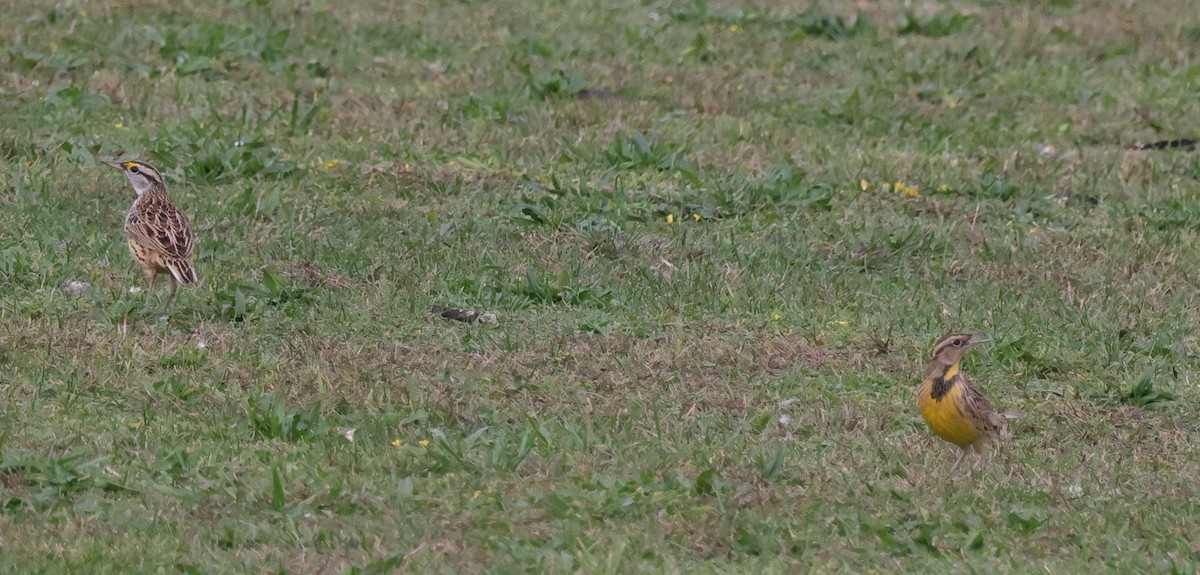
[
  {"x": 183, "y": 271},
  {"x": 999, "y": 418}
]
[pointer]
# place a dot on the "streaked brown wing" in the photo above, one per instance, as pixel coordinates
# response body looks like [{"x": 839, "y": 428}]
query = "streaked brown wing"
[
  {"x": 161, "y": 227},
  {"x": 977, "y": 405}
]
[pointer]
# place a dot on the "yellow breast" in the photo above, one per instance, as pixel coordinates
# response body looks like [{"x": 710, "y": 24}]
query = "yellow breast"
[{"x": 945, "y": 415}]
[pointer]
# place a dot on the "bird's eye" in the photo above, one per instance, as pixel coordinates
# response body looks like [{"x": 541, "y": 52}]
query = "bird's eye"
[
  {"x": 133, "y": 170},
  {"x": 959, "y": 342}
]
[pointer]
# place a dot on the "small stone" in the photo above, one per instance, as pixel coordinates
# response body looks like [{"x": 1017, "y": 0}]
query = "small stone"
[{"x": 76, "y": 287}]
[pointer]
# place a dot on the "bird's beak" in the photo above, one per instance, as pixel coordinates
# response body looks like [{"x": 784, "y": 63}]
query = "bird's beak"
[
  {"x": 980, "y": 337},
  {"x": 115, "y": 164}
]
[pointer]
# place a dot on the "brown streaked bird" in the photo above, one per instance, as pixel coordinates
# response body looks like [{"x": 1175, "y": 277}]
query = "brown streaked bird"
[
  {"x": 952, "y": 405},
  {"x": 159, "y": 235}
]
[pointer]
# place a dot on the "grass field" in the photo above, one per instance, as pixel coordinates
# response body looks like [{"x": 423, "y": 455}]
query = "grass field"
[{"x": 718, "y": 238}]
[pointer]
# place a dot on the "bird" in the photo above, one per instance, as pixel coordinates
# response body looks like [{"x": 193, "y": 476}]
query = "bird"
[
  {"x": 953, "y": 406},
  {"x": 160, "y": 237}
]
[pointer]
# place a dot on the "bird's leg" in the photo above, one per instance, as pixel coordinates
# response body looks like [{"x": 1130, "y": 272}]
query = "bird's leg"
[
  {"x": 150, "y": 276},
  {"x": 978, "y": 456},
  {"x": 961, "y": 454},
  {"x": 174, "y": 286}
]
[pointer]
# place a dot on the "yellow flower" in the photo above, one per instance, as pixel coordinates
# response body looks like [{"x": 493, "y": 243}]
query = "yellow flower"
[
  {"x": 864, "y": 185},
  {"x": 776, "y": 316},
  {"x": 331, "y": 164},
  {"x": 696, "y": 217},
  {"x": 734, "y": 28},
  {"x": 476, "y": 494},
  {"x": 119, "y": 125},
  {"x": 670, "y": 218},
  {"x": 903, "y": 188},
  {"x": 943, "y": 188},
  {"x": 423, "y": 443},
  {"x": 397, "y": 442}
]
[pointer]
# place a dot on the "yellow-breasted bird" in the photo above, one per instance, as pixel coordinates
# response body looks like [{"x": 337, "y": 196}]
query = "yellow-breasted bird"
[
  {"x": 159, "y": 235},
  {"x": 951, "y": 404}
]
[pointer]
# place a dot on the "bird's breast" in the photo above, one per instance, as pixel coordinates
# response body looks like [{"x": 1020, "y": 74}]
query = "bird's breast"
[{"x": 945, "y": 415}]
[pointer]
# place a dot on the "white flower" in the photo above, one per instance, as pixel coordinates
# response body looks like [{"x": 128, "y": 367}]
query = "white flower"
[
  {"x": 135, "y": 289},
  {"x": 348, "y": 433},
  {"x": 76, "y": 287}
]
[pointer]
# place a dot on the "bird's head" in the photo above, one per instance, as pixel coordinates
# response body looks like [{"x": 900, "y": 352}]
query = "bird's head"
[
  {"x": 949, "y": 350},
  {"x": 143, "y": 176}
]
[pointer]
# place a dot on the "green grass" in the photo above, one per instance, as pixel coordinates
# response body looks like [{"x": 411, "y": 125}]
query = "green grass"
[{"x": 713, "y": 302}]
